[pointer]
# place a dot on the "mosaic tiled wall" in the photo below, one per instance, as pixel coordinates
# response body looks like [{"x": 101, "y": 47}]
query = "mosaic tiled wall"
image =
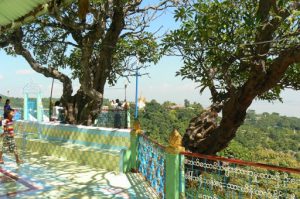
[{"x": 99, "y": 147}]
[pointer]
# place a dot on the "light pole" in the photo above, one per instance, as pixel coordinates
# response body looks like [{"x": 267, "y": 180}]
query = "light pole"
[
  {"x": 125, "y": 92},
  {"x": 50, "y": 101},
  {"x": 127, "y": 120},
  {"x": 136, "y": 88}
]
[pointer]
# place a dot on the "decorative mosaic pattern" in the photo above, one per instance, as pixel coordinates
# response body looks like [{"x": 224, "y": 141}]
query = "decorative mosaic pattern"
[
  {"x": 101, "y": 148},
  {"x": 107, "y": 118},
  {"x": 83, "y": 155},
  {"x": 151, "y": 161},
  {"x": 207, "y": 178},
  {"x": 73, "y": 134},
  {"x": 27, "y": 127}
]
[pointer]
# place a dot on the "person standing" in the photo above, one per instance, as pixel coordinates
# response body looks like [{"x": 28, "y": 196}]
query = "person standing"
[
  {"x": 117, "y": 119},
  {"x": 6, "y": 108},
  {"x": 113, "y": 104},
  {"x": 57, "y": 111},
  {"x": 9, "y": 144}
]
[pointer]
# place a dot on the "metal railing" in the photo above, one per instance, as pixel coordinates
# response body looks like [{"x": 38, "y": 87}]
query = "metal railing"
[
  {"x": 152, "y": 163},
  {"x": 218, "y": 177},
  {"x": 113, "y": 118}
]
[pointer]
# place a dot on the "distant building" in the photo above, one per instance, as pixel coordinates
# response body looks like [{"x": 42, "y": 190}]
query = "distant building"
[
  {"x": 141, "y": 102},
  {"x": 177, "y": 106}
]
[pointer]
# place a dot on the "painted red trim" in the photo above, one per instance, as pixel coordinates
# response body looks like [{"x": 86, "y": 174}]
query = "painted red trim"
[
  {"x": 242, "y": 162},
  {"x": 156, "y": 143},
  {"x": 230, "y": 160}
]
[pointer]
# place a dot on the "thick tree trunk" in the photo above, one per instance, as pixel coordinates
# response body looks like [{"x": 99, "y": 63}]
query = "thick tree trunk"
[
  {"x": 205, "y": 136},
  {"x": 81, "y": 109}
]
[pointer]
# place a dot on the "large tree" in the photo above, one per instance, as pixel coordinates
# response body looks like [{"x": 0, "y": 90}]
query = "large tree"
[
  {"x": 239, "y": 51},
  {"x": 96, "y": 40}
]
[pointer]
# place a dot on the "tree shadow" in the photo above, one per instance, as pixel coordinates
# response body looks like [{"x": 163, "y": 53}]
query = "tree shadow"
[{"x": 61, "y": 178}]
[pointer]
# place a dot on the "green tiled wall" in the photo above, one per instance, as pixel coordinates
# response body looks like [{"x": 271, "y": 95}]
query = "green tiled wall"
[{"x": 98, "y": 147}]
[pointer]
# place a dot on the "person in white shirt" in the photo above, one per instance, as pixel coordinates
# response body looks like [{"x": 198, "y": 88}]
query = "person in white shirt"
[{"x": 56, "y": 111}]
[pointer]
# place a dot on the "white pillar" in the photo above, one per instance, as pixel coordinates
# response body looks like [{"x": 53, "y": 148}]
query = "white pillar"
[
  {"x": 39, "y": 107},
  {"x": 25, "y": 107}
]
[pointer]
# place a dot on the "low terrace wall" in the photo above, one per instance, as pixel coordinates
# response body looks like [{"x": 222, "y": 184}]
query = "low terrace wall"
[{"x": 100, "y": 147}]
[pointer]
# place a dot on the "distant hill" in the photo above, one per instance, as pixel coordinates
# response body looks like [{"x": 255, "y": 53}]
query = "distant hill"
[
  {"x": 17, "y": 102},
  {"x": 270, "y": 131}
]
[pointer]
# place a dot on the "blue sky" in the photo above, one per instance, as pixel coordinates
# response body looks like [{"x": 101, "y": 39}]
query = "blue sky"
[{"x": 161, "y": 84}]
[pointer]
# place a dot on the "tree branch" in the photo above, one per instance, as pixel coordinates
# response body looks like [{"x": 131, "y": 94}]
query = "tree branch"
[
  {"x": 3, "y": 44},
  {"x": 65, "y": 21},
  {"x": 268, "y": 25},
  {"x": 279, "y": 66},
  {"x": 16, "y": 41},
  {"x": 62, "y": 42},
  {"x": 109, "y": 42},
  {"x": 161, "y": 6}
]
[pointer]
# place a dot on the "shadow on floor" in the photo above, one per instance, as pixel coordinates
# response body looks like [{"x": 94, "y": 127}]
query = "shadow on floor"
[{"x": 59, "y": 178}]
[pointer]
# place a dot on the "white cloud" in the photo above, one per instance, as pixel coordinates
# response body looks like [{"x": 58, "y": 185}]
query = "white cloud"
[
  {"x": 24, "y": 72},
  {"x": 1, "y": 77}
]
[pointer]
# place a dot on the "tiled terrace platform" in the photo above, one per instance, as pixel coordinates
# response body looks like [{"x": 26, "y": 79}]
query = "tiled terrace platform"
[{"x": 50, "y": 177}]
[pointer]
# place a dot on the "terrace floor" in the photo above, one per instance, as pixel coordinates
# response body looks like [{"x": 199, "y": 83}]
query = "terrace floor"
[{"x": 51, "y": 177}]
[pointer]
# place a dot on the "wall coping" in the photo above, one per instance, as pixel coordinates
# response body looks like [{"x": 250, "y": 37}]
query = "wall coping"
[{"x": 78, "y": 126}]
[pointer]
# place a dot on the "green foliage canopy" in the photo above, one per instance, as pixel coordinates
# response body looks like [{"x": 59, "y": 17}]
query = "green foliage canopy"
[{"x": 224, "y": 43}]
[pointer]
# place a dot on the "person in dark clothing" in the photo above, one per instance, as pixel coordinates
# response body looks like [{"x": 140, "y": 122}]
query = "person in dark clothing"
[
  {"x": 117, "y": 119},
  {"x": 6, "y": 108}
]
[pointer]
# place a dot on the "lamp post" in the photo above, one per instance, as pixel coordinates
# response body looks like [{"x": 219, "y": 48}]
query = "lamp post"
[
  {"x": 126, "y": 92},
  {"x": 136, "y": 88},
  {"x": 126, "y": 106},
  {"x": 50, "y": 101}
]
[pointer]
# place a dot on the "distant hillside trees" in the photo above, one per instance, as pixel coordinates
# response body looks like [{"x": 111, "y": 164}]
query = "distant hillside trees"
[
  {"x": 260, "y": 138},
  {"x": 158, "y": 120}
]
